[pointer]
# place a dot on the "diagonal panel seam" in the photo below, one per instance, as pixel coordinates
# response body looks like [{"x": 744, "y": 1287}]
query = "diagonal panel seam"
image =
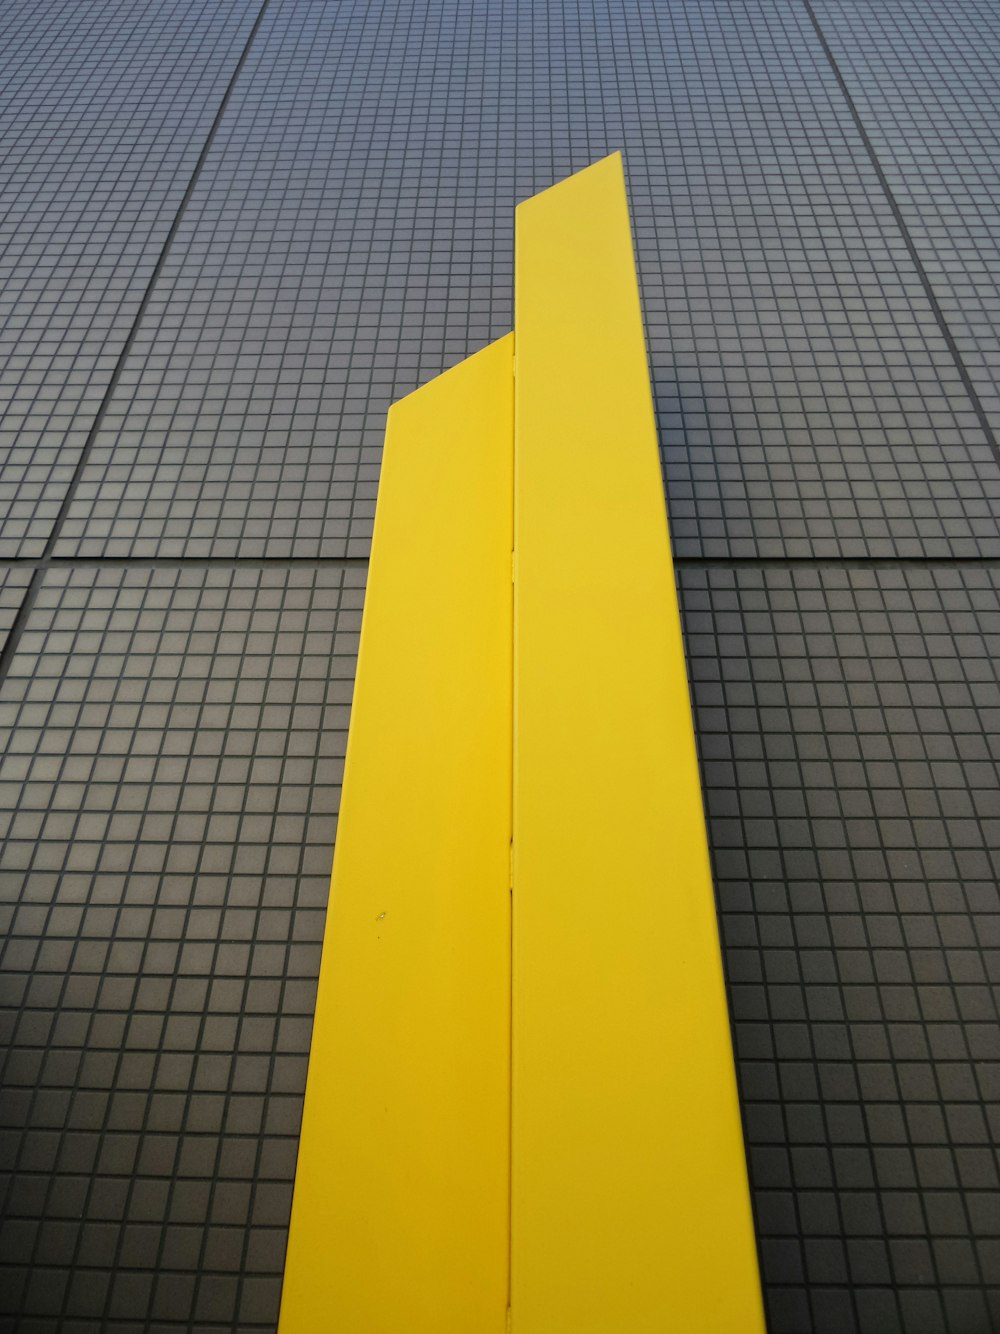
[
  {"x": 908, "y": 241},
  {"x": 31, "y": 594}
]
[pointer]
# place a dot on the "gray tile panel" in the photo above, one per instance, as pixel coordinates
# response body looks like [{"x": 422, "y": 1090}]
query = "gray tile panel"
[
  {"x": 924, "y": 80},
  {"x": 849, "y": 730},
  {"x": 104, "y": 109},
  {"x": 350, "y": 236},
  {"x": 172, "y": 748}
]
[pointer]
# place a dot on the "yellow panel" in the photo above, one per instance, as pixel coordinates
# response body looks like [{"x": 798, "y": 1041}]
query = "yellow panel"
[
  {"x": 400, "y": 1216},
  {"x": 630, "y": 1207}
]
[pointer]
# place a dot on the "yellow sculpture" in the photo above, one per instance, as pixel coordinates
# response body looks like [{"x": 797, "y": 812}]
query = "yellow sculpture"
[{"x": 521, "y": 1110}]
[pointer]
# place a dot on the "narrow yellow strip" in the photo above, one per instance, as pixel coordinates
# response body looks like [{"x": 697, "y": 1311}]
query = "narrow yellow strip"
[
  {"x": 400, "y": 1215},
  {"x": 630, "y": 1207}
]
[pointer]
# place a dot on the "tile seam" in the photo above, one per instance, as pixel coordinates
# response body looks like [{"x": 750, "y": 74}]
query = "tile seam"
[
  {"x": 42, "y": 563},
  {"x": 185, "y": 562}
]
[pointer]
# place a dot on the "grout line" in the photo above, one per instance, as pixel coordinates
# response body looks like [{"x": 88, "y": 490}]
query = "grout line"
[
  {"x": 834, "y": 562},
  {"x": 185, "y": 562},
  {"x": 71, "y": 490},
  {"x": 362, "y": 562},
  {"x": 918, "y": 264},
  {"x": 39, "y": 566}
]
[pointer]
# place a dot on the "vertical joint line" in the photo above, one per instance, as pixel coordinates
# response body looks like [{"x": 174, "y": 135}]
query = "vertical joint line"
[{"x": 908, "y": 241}]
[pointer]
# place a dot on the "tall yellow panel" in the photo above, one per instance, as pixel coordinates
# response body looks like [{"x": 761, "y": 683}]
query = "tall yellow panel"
[
  {"x": 630, "y": 1207},
  {"x": 400, "y": 1214}
]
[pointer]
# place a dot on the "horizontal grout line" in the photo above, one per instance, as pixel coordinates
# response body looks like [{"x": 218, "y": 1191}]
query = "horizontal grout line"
[
  {"x": 186, "y": 562},
  {"x": 834, "y": 562},
  {"x": 362, "y": 562}
]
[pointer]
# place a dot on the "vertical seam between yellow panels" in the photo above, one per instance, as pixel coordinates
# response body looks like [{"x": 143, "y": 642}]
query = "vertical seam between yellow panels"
[{"x": 510, "y": 825}]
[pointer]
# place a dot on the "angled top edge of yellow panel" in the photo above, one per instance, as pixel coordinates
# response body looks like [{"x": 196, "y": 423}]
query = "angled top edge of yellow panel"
[
  {"x": 458, "y": 382},
  {"x": 612, "y": 164},
  {"x": 400, "y": 1212},
  {"x": 630, "y": 1204}
]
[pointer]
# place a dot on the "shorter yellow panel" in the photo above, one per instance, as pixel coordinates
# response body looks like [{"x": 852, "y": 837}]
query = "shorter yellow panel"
[{"x": 400, "y": 1214}]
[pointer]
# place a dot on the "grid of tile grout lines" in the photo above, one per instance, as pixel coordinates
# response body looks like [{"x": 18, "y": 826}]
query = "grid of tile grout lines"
[{"x": 175, "y": 707}]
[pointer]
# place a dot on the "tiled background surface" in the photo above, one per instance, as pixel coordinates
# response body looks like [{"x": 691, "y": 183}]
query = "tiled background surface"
[
  {"x": 104, "y": 108},
  {"x": 849, "y": 722},
  {"x": 923, "y": 80},
  {"x": 173, "y": 743},
  {"x": 230, "y": 235}
]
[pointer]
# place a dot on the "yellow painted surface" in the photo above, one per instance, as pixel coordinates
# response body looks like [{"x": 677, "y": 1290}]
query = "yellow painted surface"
[
  {"x": 630, "y": 1207},
  {"x": 400, "y": 1214}
]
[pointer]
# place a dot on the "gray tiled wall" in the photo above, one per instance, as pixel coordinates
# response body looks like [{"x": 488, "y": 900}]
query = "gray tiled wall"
[{"x": 232, "y": 235}]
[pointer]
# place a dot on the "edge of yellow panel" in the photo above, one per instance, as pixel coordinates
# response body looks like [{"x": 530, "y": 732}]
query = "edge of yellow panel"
[
  {"x": 630, "y": 1203},
  {"x": 400, "y": 1213}
]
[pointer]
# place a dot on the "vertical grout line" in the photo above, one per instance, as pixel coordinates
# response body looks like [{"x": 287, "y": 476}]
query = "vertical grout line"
[
  {"x": 897, "y": 214},
  {"x": 17, "y": 628}
]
